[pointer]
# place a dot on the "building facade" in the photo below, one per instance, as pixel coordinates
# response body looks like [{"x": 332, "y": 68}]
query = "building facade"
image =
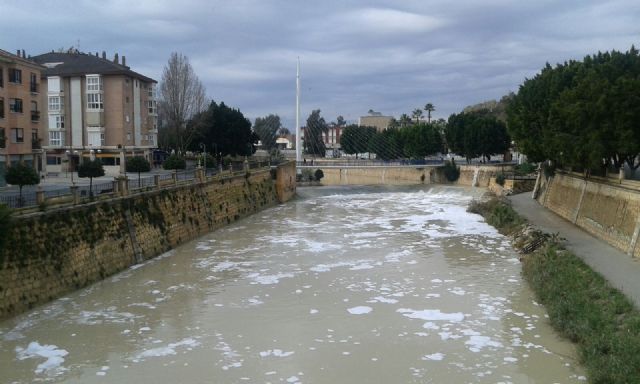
[
  {"x": 95, "y": 107},
  {"x": 377, "y": 120},
  {"x": 21, "y": 125}
]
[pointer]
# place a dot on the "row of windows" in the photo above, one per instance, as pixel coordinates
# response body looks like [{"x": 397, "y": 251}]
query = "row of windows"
[
  {"x": 15, "y": 76},
  {"x": 15, "y": 105},
  {"x": 17, "y": 136}
]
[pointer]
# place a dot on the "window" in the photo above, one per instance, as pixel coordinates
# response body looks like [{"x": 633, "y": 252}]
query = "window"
[
  {"x": 94, "y": 101},
  {"x": 54, "y": 160},
  {"x": 2, "y": 138},
  {"x": 15, "y": 105},
  {"x": 33, "y": 83},
  {"x": 15, "y": 76},
  {"x": 1, "y": 107},
  {"x": 151, "y": 91},
  {"x": 35, "y": 114},
  {"x": 151, "y": 104},
  {"x": 94, "y": 83},
  {"x": 56, "y": 138},
  {"x": 1, "y": 77},
  {"x": 17, "y": 135},
  {"x": 59, "y": 121},
  {"x": 34, "y": 135},
  {"x": 55, "y": 103},
  {"x": 54, "y": 85}
]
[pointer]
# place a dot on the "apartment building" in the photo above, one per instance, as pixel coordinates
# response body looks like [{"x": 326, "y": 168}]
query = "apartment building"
[
  {"x": 375, "y": 119},
  {"x": 20, "y": 112},
  {"x": 95, "y": 107}
]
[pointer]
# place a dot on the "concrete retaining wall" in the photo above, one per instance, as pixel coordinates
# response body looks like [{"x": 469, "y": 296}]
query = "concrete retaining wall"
[
  {"x": 607, "y": 211},
  {"x": 51, "y": 253}
]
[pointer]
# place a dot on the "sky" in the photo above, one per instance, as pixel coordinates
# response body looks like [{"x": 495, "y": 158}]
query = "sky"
[{"x": 389, "y": 56}]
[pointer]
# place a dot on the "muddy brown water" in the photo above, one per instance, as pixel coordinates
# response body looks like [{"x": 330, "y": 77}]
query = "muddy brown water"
[{"x": 341, "y": 285}]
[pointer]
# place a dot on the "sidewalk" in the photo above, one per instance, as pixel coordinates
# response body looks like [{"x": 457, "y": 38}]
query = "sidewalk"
[{"x": 618, "y": 268}]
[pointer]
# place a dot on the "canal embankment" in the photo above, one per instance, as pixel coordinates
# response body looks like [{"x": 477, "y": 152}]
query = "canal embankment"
[
  {"x": 47, "y": 254},
  {"x": 583, "y": 305}
]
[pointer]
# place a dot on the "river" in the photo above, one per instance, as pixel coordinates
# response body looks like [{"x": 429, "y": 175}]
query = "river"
[{"x": 341, "y": 285}]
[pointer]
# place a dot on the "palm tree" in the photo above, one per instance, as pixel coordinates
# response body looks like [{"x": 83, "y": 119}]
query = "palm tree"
[
  {"x": 417, "y": 113},
  {"x": 405, "y": 120},
  {"x": 429, "y": 108}
]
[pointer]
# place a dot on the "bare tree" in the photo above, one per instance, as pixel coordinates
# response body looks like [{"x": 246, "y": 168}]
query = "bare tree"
[{"x": 183, "y": 96}]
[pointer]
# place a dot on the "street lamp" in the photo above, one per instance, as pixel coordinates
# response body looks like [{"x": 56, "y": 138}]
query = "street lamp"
[{"x": 204, "y": 158}]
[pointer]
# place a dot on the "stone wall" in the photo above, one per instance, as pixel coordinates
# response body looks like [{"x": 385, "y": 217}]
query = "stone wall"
[
  {"x": 48, "y": 254},
  {"x": 607, "y": 211},
  {"x": 511, "y": 186}
]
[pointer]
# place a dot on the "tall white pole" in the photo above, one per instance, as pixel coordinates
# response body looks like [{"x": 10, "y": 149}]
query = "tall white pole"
[{"x": 298, "y": 141}]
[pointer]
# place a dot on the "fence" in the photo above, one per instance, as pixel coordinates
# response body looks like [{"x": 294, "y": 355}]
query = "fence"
[{"x": 33, "y": 196}]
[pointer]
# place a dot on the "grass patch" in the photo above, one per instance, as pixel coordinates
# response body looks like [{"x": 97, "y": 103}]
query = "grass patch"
[
  {"x": 585, "y": 309},
  {"x": 499, "y": 214}
]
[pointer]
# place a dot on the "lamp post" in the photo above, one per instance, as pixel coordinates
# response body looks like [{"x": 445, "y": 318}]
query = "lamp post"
[{"x": 204, "y": 158}]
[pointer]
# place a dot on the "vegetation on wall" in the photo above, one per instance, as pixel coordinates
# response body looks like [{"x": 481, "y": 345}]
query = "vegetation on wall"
[{"x": 451, "y": 170}]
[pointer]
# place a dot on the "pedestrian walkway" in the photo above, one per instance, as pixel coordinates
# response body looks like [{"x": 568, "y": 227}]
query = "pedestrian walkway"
[{"x": 620, "y": 269}]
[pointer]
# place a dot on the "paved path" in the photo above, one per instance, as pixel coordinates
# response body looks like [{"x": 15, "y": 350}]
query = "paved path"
[{"x": 622, "y": 271}]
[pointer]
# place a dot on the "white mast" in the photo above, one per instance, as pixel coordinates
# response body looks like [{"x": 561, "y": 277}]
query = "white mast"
[{"x": 298, "y": 141}]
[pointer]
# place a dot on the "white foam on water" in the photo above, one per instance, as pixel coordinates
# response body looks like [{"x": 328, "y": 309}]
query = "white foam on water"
[
  {"x": 108, "y": 315},
  {"x": 313, "y": 311},
  {"x": 382, "y": 299},
  {"x": 434, "y": 356},
  {"x": 361, "y": 310},
  {"x": 477, "y": 343},
  {"x": 329, "y": 267},
  {"x": 431, "y": 315},
  {"x": 361, "y": 266},
  {"x": 293, "y": 379},
  {"x": 276, "y": 353},
  {"x": 268, "y": 279},
  {"x": 53, "y": 355},
  {"x": 170, "y": 349}
]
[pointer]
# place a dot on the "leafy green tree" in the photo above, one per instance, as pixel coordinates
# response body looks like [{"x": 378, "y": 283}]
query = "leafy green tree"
[
  {"x": 355, "y": 139},
  {"x": 387, "y": 145},
  {"x": 318, "y": 174},
  {"x": 421, "y": 140},
  {"x": 429, "y": 108},
  {"x": 476, "y": 134},
  {"x": 405, "y": 120},
  {"x": 224, "y": 130},
  {"x": 138, "y": 164},
  {"x": 91, "y": 169},
  {"x": 267, "y": 130},
  {"x": 316, "y": 126},
  {"x": 340, "y": 121},
  {"x": 21, "y": 175},
  {"x": 174, "y": 162}
]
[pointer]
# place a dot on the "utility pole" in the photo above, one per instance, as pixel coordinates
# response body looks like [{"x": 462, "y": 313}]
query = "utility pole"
[{"x": 298, "y": 141}]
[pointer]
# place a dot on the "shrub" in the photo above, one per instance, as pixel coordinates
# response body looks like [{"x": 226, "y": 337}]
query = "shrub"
[
  {"x": 174, "y": 162},
  {"x": 500, "y": 179},
  {"x": 21, "y": 175},
  {"x": 451, "y": 171},
  {"x": 318, "y": 174},
  {"x": 497, "y": 213},
  {"x": 5, "y": 222},
  {"x": 525, "y": 168}
]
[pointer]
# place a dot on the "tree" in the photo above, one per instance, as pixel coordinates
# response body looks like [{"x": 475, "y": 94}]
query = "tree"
[
  {"x": 476, "y": 134},
  {"x": 316, "y": 126},
  {"x": 355, "y": 139},
  {"x": 225, "y": 130},
  {"x": 182, "y": 97},
  {"x": 340, "y": 122},
  {"x": 421, "y": 140},
  {"x": 429, "y": 108},
  {"x": 387, "y": 145},
  {"x": 405, "y": 120},
  {"x": 138, "y": 164},
  {"x": 267, "y": 128},
  {"x": 284, "y": 131},
  {"x": 174, "y": 162},
  {"x": 91, "y": 169},
  {"x": 417, "y": 114},
  {"x": 21, "y": 175}
]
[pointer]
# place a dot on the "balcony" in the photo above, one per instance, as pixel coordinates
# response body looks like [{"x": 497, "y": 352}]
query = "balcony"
[
  {"x": 33, "y": 87},
  {"x": 35, "y": 115},
  {"x": 36, "y": 143}
]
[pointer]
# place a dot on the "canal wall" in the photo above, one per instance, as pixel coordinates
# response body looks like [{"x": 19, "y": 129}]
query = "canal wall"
[
  {"x": 48, "y": 254},
  {"x": 407, "y": 175},
  {"x": 607, "y": 211}
]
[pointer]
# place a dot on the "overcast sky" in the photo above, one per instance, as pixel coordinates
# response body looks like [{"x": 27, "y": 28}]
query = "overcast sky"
[{"x": 389, "y": 56}]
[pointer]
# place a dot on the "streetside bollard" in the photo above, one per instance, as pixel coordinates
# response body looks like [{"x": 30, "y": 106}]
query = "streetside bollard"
[
  {"x": 74, "y": 193},
  {"x": 174, "y": 176},
  {"x": 39, "y": 195},
  {"x": 156, "y": 181}
]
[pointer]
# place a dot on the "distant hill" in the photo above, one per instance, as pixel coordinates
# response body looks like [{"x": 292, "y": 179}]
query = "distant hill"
[{"x": 492, "y": 107}]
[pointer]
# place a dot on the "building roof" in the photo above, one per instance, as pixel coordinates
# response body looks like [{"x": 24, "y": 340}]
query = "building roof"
[
  {"x": 11, "y": 58},
  {"x": 79, "y": 63}
]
